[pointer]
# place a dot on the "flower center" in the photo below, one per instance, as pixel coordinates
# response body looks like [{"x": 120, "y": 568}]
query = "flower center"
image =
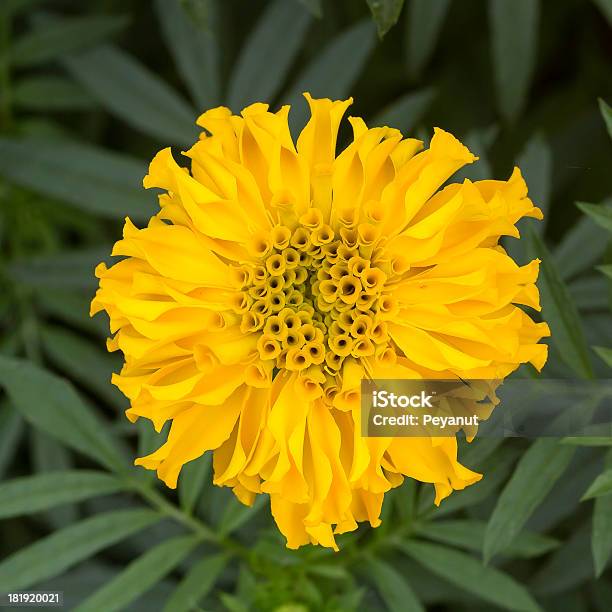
[{"x": 316, "y": 296}]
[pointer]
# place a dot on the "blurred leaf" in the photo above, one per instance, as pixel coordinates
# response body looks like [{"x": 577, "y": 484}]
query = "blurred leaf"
[
  {"x": 404, "y": 113},
  {"x": 425, "y": 19},
  {"x": 83, "y": 361},
  {"x": 535, "y": 162},
  {"x": 589, "y": 293},
  {"x": 58, "y": 37},
  {"x": 261, "y": 69},
  {"x": 385, "y": 13},
  {"x": 392, "y": 587},
  {"x": 470, "y": 534},
  {"x": 606, "y": 111},
  {"x": 332, "y": 572},
  {"x": 560, "y": 311},
  {"x": 69, "y": 270},
  {"x": 607, "y": 270},
  {"x": 602, "y": 215},
  {"x": 139, "y": 576},
  {"x": 133, "y": 93},
  {"x": 479, "y": 141},
  {"x": 468, "y": 573},
  {"x": 194, "y": 51},
  {"x": 602, "y": 485},
  {"x": 11, "y": 428},
  {"x": 588, "y": 441},
  {"x": 92, "y": 179},
  {"x": 581, "y": 247},
  {"x": 62, "y": 549},
  {"x": 314, "y": 6},
  {"x": 237, "y": 514},
  {"x": 33, "y": 493},
  {"x": 333, "y": 71},
  {"x": 198, "y": 582},
  {"x": 514, "y": 38},
  {"x": 63, "y": 414},
  {"x": 192, "y": 480},
  {"x": 601, "y": 535},
  {"x": 604, "y": 353},
  {"x": 10, "y": 8},
  {"x": 534, "y": 476},
  {"x": 47, "y": 93}
]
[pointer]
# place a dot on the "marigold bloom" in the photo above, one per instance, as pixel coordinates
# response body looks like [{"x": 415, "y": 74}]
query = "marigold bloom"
[{"x": 277, "y": 275}]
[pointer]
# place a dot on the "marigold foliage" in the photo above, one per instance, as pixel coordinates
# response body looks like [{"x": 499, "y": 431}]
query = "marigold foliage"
[{"x": 277, "y": 275}]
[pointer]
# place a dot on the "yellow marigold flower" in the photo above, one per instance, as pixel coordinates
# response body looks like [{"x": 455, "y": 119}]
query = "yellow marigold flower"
[{"x": 277, "y": 275}]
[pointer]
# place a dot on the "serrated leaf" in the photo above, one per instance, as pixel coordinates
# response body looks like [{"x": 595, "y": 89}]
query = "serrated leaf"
[
  {"x": 405, "y": 112},
  {"x": 560, "y": 311},
  {"x": 52, "y": 404},
  {"x": 385, "y": 13},
  {"x": 534, "y": 476},
  {"x": 469, "y": 574},
  {"x": 392, "y": 587},
  {"x": 192, "y": 480},
  {"x": 60, "y": 36},
  {"x": 425, "y": 19},
  {"x": 194, "y": 51},
  {"x": 196, "y": 584},
  {"x": 134, "y": 94},
  {"x": 470, "y": 534},
  {"x": 606, "y": 111},
  {"x": 47, "y": 93},
  {"x": 65, "y": 548},
  {"x": 514, "y": 38},
  {"x": 333, "y": 71},
  {"x": 92, "y": 179},
  {"x": 261, "y": 69},
  {"x": 602, "y": 215},
  {"x": 43, "y": 491},
  {"x": 139, "y": 576},
  {"x": 602, "y": 485},
  {"x": 83, "y": 361}
]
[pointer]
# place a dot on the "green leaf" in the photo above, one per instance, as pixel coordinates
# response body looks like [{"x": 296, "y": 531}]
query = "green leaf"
[
  {"x": 405, "y": 112},
  {"x": 560, "y": 311},
  {"x": 604, "y": 353},
  {"x": 194, "y": 51},
  {"x": 139, "y": 576},
  {"x": 605, "y": 6},
  {"x": 261, "y": 69},
  {"x": 470, "y": 534},
  {"x": 606, "y": 111},
  {"x": 514, "y": 37},
  {"x": 423, "y": 27},
  {"x": 198, "y": 582},
  {"x": 133, "y": 93},
  {"x": 392, "y": 587},
  {"x": 65, "y": 548},
  {"x": 94, "y": 180},
  {"x": 9, "y": 8},
  {"x": 581, "y": 248},
  {"x": 535, "y": 163},
  {"x": 192, "y": 480},
  {"x": 469, "y": 574},
  {"x": 70, "y": 307},
  {"x": 233, "y": 603},
  {"x": 11, "y": 428},
  {"x": 385, "y": 13},
  {"x": 58, "y": 37},
  {"x": 333, "y": 71},
  {"x": 602, "y": 215},
  {"x": 602, "y": 485},
  {"x": 588, "y": 441},
  {"x": 47, "y": 93},
  {"x": 607, "y": 270},
  {"x": 236, "y": 514},
  {"x": 534, "y": 476},
  {"x": 314, "y": 6},
  {"x": 83, "y": 361},
  {"x": 601, "y": 535},
  {"x": 52, "y": 404},
  {"x": 33, "y": 493}
]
